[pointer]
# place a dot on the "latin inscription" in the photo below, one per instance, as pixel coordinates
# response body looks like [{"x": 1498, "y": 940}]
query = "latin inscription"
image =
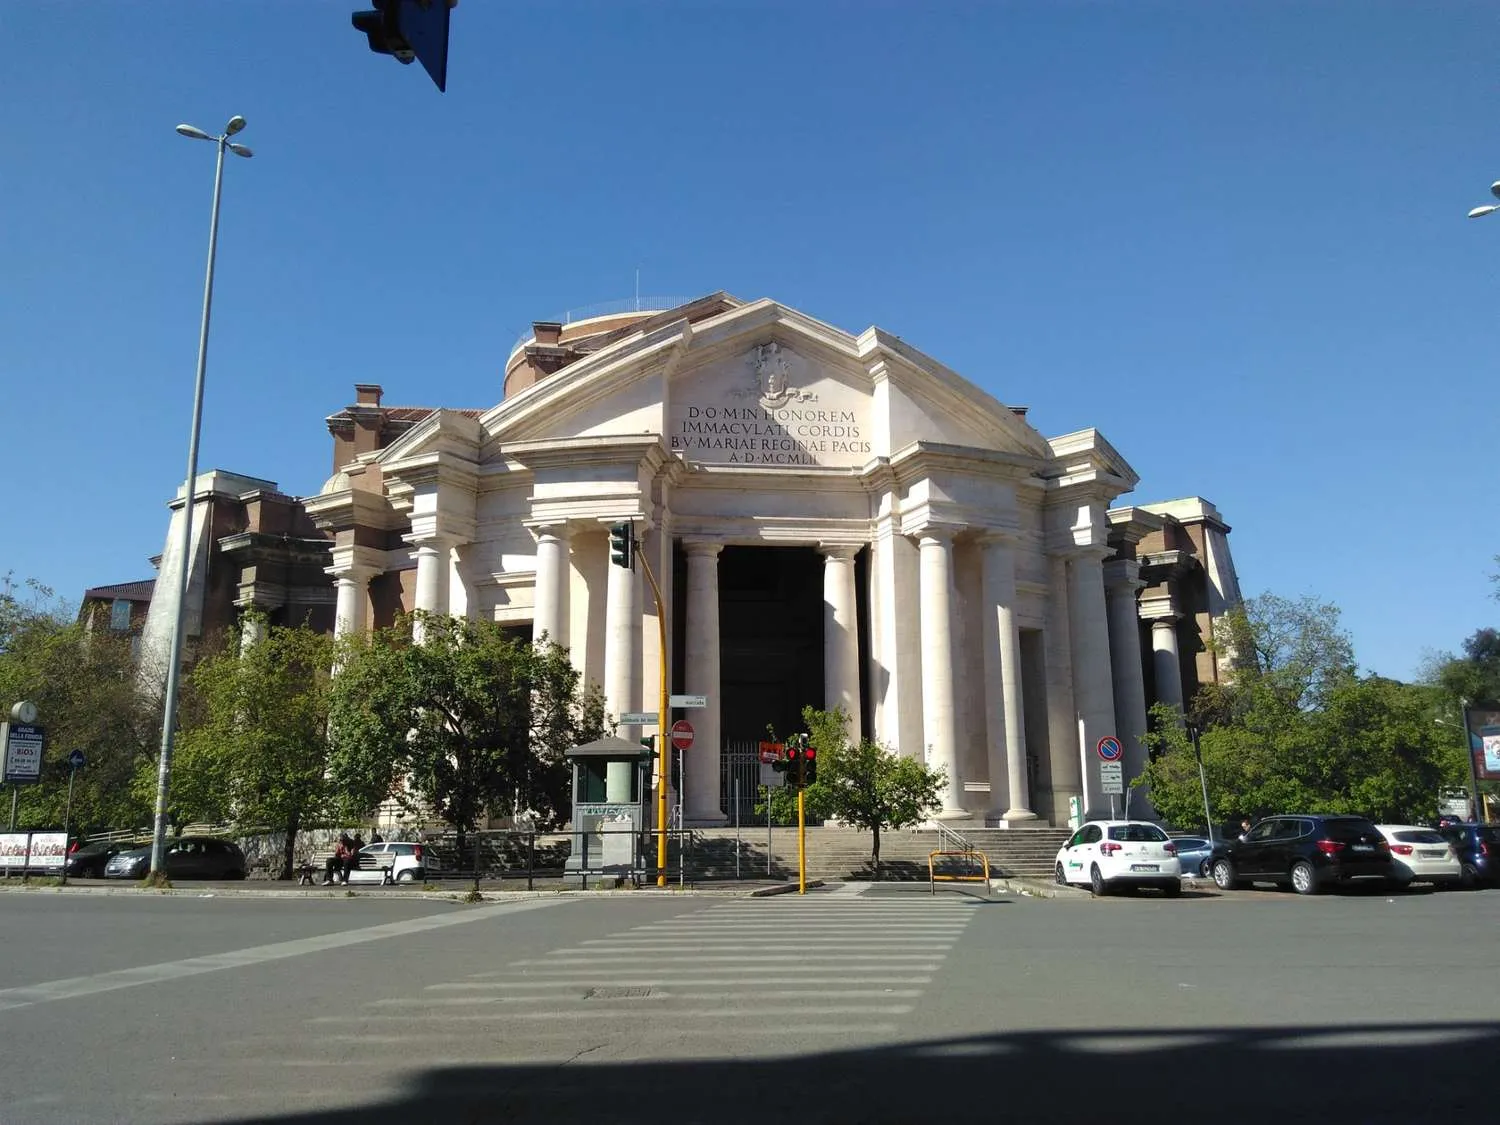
[{"x": 759, "y": 435}]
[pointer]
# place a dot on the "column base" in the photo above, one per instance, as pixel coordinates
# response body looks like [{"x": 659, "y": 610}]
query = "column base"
[
  {"x": 717, "y": 820},
  {"x": 1013, "y": 816},
  {"x": 953, "y": 814}
]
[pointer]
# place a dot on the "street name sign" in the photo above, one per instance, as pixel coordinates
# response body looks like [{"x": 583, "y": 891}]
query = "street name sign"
[
  {"x": 637, "y": 718},
  {"x": 688, "y": 701}
]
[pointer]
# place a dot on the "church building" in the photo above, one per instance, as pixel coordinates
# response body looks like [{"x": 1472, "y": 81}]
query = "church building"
[{"x": 834, "y": 519}]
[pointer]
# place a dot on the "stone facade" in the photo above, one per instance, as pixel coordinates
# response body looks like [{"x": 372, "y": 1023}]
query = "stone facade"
[{"x": 833, "y": 519}]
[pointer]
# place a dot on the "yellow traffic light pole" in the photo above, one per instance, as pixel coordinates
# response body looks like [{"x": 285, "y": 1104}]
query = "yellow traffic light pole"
[
  {"x": 801, "y": 842},
  {"x": 661, "y": 720}
]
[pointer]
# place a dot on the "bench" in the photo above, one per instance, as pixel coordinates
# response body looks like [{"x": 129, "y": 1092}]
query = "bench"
[{"x": 309, "y": 874}]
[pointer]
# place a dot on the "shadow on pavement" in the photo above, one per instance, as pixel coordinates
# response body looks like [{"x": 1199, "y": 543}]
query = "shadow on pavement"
[{"x": 1371, "y": 1074}]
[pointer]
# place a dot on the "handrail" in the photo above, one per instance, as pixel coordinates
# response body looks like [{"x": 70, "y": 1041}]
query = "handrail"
[{"x": 946, "y": 834}]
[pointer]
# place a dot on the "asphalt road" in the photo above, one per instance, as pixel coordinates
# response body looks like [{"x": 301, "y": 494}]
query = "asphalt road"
[{"x": 851, "y": 1005}]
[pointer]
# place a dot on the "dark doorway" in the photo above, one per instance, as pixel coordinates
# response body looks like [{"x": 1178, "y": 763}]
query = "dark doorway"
[{"x": 771, "y": 639}]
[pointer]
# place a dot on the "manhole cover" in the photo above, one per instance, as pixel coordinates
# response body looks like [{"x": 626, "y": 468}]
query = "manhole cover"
[{"x": 632, "y": 992}]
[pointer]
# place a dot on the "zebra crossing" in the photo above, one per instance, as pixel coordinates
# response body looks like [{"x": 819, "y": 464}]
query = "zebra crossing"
[{"x": 837, "y": 964}]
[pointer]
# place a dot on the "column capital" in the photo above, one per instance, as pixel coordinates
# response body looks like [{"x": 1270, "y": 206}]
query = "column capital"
[
  {"x": 549, "y": 529},
  {"x": 1082, "y": 554},
  {"x": 998, "y": 537},
  {"x": 1121, "y": 575},
  {"x": 702, "y": 548},
  {"x": 935, "y": 533},
  {"x": 434, "y": 542},
  {"x": 840, "y": 552},
  {"x": 1166, "y": 622}
]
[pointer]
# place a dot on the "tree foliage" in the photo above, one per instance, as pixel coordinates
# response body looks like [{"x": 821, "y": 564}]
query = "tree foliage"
[
  {"x": 1298, "y": 729},
  {"x": 864, "y": 783},
  {"x": 469, "y": 723},
  {"x": 254, "y": 747},
  {"x": 83, "y": 685}
]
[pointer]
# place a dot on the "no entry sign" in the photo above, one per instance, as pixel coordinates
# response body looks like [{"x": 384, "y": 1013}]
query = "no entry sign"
[{"x": 682, "y": 734}]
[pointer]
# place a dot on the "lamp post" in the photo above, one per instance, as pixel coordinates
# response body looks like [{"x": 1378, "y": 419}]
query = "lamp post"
[
  {"x": 174, "y": 657},
  {"x": 1489, "y": 208}
]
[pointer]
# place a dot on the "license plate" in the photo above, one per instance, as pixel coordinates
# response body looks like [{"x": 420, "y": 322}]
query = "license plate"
[
  {"x": 1144, "y": 867},
  {"x": 1363, "y": 848},
  {"x": 1432, "y": 855}
]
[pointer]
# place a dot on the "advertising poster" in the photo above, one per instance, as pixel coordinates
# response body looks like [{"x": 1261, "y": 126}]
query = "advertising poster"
[
  {"x": 1484, "y": 742},
  {"x": 24, "y": 744},
  {"x": 47, "y": 850}
]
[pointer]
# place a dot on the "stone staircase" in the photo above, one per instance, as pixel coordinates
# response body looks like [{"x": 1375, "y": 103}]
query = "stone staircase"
[{"x": 835, "y": 854}]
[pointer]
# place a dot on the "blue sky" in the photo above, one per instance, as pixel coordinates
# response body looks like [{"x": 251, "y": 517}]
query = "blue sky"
[{"x": 1231, "y": 236}]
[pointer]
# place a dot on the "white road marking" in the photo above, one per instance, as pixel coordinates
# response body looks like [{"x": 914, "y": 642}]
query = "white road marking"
[{"x": 71, "y": 987}]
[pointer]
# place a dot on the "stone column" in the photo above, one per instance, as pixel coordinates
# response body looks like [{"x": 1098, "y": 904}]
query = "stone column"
[
  {"x": 1093, "y": 682},
  {"x": 622, "y": 664},
  {"x": 1121, "y": 583},
  {"x": 352, "y": 611},
  {"x": 1167, "y": 662},
  {"x": 841, "y": 635},
  {"x": 1005, "y": 729},
  {"x": 253, "y": 627},
  {"x": 432, "y": 580},
  {"x": 701, "y": 763},
  {"x": 935, "y": 581},
  {"x": 553, "y": 579},
  {"x": 1062, "y": 716}
]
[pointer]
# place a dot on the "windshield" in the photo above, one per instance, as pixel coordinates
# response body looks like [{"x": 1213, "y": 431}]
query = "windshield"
[
  {"x": 1421, "y": 836},
  {"x": 1136, "y": 833}
]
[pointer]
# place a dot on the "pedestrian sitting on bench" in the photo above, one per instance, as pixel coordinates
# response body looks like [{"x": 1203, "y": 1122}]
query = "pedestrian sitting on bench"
[{"x": 337, "y": 868}]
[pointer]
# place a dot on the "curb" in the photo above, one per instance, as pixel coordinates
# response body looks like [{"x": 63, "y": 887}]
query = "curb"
[
  {"x": 1037, "y": 888},
  {"x": 783, "y": 889},
  {"x": 488, "y": 895}
]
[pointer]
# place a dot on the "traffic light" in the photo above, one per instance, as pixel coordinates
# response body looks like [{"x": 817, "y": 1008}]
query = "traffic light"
[
  {"x": 801, "y": 764},
  {"x": 809, "y": 764},
  {"x": 410, "y": 29},
  {"x": 622, "y": 545}
]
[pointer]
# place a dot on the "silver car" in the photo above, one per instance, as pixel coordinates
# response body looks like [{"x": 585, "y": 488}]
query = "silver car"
[{"x": 393, "y": 861}]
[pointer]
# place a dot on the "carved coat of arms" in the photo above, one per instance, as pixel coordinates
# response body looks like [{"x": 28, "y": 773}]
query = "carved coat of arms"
[{"x": 773, "y": 376}]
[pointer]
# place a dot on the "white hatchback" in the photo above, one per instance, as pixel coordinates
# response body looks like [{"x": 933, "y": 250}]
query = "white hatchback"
[
  {"x": 392, "y": 862},
  {"x": 1421, "y": 855},
  {"x": 1109, "y": 854}
]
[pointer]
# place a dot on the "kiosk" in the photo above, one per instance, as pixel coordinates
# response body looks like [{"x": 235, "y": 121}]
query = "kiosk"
[{"x": 608, "y": 835}]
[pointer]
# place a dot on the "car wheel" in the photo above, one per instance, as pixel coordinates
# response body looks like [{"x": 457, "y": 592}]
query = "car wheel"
[
  {"x": 1469, "y": 878},
  {"x": 1173, "y": 889},
  {"x": 1097, "y": 883},
  {"x": 1060, "y": 876},
  {"x": 1223, "y": 873},
  {"x": 1304, "y": 881},
  {"x": 1206, "y": 869},
  {"x": 406, "y": 877}
]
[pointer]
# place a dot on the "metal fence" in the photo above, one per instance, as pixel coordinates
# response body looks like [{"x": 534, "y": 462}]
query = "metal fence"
[{"x": 739, "y": 782}]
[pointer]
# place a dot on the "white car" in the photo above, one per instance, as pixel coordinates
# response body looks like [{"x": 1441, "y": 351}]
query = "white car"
[
  {"x": 1421, "y": 855},
  {"x": 392, "y": 862},
  {"x": 1108, "y": 854}
]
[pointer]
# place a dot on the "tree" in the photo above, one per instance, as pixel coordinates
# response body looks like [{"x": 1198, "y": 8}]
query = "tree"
[
  {"x": 256, "y": 751},
  {"x": 83, "y": 685},
  {"x": 865, "y": 784},
  {"x": 1297, "y": 729},
  {"x": 468, "y": 723}
]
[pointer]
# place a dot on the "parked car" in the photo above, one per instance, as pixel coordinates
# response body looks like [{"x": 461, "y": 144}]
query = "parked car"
[
  {"x": 392, "y": 862},
  {"x": 86, "y": 861},
  {"x": 1477, "y": 847},
  {"x": 1309, "y": 852},
  {"x": 1421, "y": 855},
  {"x": 1111, "y": 854},
  {"x": 186, "y": 857},
  {"x": 1196, "y": 854}
]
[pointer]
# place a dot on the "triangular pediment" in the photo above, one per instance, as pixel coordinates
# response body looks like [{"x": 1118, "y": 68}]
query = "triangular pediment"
[{"x": 765, "y": 381}]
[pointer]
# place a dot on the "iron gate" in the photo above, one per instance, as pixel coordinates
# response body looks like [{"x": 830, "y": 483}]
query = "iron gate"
[{"x": 740, "y": 761}]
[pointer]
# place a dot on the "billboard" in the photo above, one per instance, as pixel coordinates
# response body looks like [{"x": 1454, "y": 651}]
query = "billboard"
[
  {"x": 1484, "y": 741},
  {"x": 24, "y": 744},
  {"x": 31, "y": 851}
]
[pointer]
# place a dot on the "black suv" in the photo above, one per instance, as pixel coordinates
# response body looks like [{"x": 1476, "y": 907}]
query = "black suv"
[
  {"x": 1478, "y": 849},
  {"x": 1309, "y": 852}
]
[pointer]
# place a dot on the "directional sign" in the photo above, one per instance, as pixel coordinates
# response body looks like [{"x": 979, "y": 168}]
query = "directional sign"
[
  {"x": 637, "y": 718},
  {"x": 688, "y": 701},
  {"x": 76, "y": 760},
  {"x": 24, "y": 744},
  {"x": 1111, "y": 778},
  {"x": 1110, "y": 749},
  {"x": 682, "y": 734}
]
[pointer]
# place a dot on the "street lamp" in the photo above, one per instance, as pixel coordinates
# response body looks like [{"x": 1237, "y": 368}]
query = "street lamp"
[
  {"x": 174, "y": 658},
  {"x": 1479, "y": 212}
]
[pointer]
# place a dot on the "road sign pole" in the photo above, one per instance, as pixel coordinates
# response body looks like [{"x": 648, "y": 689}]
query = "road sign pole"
[
  {"x": 15, "y": 795},
  {"x": 67, "y": 816},
  {"x": 661, "y": 725}
]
